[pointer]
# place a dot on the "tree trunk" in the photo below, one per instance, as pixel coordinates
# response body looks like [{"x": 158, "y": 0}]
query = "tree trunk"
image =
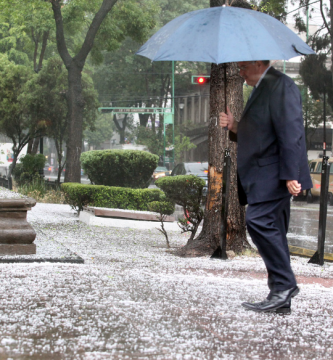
[
  {"x": 144, "y": 119},
  {"x": 121, "y": 129},
  {"x": 30, "y": 144},
  {"x": 75, "y": 110},
  {"x": 209, "y": 239},
  {"x": 74, "y": 66},
  {"x": 35, "y": 145},
  {"x": 331, "y": 35},
  {"x": 42, "y": 53}
]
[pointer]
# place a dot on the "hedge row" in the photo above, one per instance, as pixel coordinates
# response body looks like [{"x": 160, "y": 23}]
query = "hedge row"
[
  {"x": 80, "y": 195},
  {"x": 124, "y": 168}
]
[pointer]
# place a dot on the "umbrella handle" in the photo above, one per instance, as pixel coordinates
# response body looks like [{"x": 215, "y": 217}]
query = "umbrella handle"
[{"x": 225, "y": 92}]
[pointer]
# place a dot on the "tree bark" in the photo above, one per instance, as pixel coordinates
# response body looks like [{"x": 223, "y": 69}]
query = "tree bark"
[
  {"x": 36, "y": 142},
  {"x": 75, "y": 124},
  {"x": 42, "y": 52},
  {"x": 121, "y": 129},
  {"x": 144, "y": 119},
  {"x": 30, "y": 144}
]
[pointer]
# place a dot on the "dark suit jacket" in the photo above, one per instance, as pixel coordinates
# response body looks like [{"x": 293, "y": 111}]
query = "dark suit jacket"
[{"x": 271, "y": 141}]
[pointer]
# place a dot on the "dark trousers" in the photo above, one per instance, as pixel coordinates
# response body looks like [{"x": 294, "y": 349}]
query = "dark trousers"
[{"x": 267, "y": 224}]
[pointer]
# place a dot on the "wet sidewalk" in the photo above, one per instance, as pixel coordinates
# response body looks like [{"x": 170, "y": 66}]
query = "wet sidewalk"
[{"x": 132, "y": 299}]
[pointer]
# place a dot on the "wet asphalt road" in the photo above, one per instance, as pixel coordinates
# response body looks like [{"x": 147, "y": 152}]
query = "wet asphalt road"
[{"x": 303, "y": 227}]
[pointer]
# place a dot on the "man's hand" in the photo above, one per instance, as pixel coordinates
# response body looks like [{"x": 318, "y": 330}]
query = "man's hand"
[
  {"x": 293, "y": 187},
  {"x": 228, "y": 120}
]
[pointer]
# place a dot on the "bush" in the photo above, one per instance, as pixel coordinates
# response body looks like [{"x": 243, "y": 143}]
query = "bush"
[
  {"x": 163, "y": 208},
  {"x": 38, "y": 190},
  {"x": 28, "y": 170},
  {"x": 122, "y": 168},
  {"x": 186, "y": 191},
  {"x": 79, "y": 195}
]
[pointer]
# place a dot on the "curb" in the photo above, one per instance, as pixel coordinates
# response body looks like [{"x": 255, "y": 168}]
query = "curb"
[{"x": 295, "y": 250}]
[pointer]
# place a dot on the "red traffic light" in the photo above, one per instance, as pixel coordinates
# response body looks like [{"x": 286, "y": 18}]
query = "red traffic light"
[{"x": 200, "y": 79}]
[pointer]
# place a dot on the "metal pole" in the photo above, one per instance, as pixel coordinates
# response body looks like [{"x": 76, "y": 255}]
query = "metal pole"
[
  {"x": 173, "y": 87},
  {"x": 318, "y": 257},
  {"x": 307, "y": 22},
  {"x": 163, "y": 142},
  {"x": 41, "y": 145},
  {"x": 173, "y": 114}
]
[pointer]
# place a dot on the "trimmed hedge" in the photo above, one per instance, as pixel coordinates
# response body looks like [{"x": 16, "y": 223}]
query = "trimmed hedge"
[
  {"x": 182, "y": 189},
  {"x": 80, "y": 195},
  {"x": 123, "y": 168},
  {"x": 162, "y": 207}
]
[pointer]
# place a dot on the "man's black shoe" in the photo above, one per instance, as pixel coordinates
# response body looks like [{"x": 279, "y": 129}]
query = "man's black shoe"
[
  {"x": 284, "y": 310},
  {"x": 253, "y": 306},
  {"x": 295, "y": 292},
  {"x": 278, "y": 299}
]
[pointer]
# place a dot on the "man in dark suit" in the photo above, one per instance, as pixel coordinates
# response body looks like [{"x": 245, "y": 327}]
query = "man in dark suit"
[{"x": 272, "y": 166}]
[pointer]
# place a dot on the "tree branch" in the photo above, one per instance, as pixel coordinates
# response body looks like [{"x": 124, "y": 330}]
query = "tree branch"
[
  {"x": 324, "y": 19},
  {"x": 42, "y": 53},
  {"x": 93, "y": 29},
  {"x": 35, "y": 40},
  {"x": 61, "y": 43}
]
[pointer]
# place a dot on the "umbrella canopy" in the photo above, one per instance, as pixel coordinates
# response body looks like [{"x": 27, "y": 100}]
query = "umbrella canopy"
[{"x": 224, "y": 34}]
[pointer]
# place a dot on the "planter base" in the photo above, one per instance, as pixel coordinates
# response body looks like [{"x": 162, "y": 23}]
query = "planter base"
[
  {"x": 17, "y": 249},
  {"x": 16, "y": 234}
]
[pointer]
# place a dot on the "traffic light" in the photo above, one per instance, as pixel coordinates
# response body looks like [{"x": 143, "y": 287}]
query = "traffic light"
[{"x": 200, "y": 79}]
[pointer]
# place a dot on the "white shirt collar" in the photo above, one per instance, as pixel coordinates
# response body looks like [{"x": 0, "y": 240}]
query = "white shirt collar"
[{"x": 262, "y": 76}]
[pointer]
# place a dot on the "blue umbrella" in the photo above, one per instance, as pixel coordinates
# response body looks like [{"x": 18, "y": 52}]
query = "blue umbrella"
[{"x": 224, "y": 34}]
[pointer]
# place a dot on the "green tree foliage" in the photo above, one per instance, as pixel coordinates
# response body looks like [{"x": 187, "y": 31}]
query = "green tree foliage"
[
  {"x": 275, "y": 8},
  {"x": 45, "y": 97},
  {"x": 104, "y": 26},
  {"x": 313, "y": 106},
  {"x": 101, "y": 131},
  {"x": 317, "y": 77},
  {"x": 26, "y": 31},
  {"x": 148, "y": 137},
  {"x": 78, "y": 28},
  {"x": 182, "y": 145},
  {"x": 127, "y": 80},
  {"x": 314, "y": 71},
  {"x": 15, "y": 121},
  {"x": 28, "y": 169}
]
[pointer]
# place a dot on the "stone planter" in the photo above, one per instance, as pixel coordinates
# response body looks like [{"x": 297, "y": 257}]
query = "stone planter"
[{"x": 16, "y": 234}]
